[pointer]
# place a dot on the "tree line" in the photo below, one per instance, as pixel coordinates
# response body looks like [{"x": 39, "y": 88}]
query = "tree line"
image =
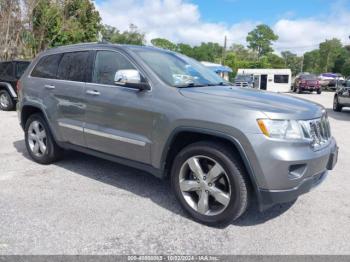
[{"x": 29, "y": 26}]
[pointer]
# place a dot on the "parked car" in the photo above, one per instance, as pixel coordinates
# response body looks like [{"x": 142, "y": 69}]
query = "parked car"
[
  {"x": 342, "y": 97},
  {"x": 331, "y": 80},
  {"x": 244, "y": 81},
  {"x": 10, "y": 72},
  {"x": 220, "y": 145},
  {"x": 307, "y": 82}
]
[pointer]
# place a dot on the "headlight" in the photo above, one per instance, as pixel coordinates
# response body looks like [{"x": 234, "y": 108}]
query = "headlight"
[{"x": 282, "y": 129}]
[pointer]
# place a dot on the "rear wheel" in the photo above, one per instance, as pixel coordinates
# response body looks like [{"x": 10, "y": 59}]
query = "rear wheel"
[
  {"x": 39, "y": 141},
  {"x": 299, "y": 90},
  {"x": 6, "y": 101},
  {"x": 210, "y": 183},
  {"x": 336, "y": 106},
  {"x": 319, "y": 91}
]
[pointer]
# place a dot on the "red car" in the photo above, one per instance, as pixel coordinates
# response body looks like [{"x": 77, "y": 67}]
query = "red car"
[{"x": 307, "y": 82}]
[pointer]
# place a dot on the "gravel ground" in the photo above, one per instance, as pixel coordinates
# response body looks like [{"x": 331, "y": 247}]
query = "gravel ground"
[{"x": 85, "y": 205}]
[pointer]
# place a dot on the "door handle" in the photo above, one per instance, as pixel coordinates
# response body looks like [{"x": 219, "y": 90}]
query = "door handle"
[
  {"x": 49, "y": 87},
  {"x": 93, "y": 92}
]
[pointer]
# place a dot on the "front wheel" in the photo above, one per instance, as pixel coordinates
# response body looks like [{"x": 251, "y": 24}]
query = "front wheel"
[
  {"x": 6, "y": 101},
  {"x": 336, "y": 106},
  {"x": 39, "y": 141},
  {"x": 211, "y": 183},
  {"x": 319, "y": 91}
]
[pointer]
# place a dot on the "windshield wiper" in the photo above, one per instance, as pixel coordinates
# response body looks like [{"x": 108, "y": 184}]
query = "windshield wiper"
[
  {"x": 190, "y": 85},
  {"x": 221, "y": 84}
]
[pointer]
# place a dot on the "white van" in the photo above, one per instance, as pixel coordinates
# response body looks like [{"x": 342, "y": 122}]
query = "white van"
[{"x": 275, "y": 80}]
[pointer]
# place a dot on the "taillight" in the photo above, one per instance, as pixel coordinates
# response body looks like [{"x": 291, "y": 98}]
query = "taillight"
[
  {"x": 303, "y": 82},
  {"x": 18, "y": 86}
]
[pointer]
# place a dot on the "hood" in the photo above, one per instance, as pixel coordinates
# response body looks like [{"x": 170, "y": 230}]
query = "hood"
[{"x": 273, "y": 105}]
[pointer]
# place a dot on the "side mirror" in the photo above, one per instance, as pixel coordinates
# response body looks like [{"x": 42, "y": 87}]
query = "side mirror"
[{"x": 130, "y": 78}]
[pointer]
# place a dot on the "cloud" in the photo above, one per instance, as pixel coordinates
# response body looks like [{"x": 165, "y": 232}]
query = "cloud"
[
  {"x": 176, "y": 20},
  {"x": 300, "y": 35},
  {"x": 180, "y": 21}
]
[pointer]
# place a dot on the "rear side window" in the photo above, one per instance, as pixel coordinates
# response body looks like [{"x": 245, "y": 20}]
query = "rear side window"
[
  {"x": 20, "y": 68},
  {"x": 73, "y": 66},
  {"x": 107, "y": 63},
  {"x": 6, "y": 69},
  {"x": 281, "y": 79},
  {"x": 47, "y": 67}
]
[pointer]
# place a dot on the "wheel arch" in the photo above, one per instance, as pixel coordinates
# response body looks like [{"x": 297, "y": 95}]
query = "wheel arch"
[
  {"x": 9, "y": 88},
  {"x": 183, "y": 136}
]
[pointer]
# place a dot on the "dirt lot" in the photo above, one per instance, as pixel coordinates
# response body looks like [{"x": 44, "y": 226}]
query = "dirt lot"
[{"x": 84, "y": 205}]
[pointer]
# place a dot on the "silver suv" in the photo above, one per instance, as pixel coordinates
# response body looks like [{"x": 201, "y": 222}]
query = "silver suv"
[{"x": 166, "y": 114}]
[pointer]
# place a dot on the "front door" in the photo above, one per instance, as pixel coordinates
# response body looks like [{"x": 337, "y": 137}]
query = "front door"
[
  {"x": 344, "y": 94},
  {"x": 118, "y": 119},
  {"x": 263, "y": 82}
]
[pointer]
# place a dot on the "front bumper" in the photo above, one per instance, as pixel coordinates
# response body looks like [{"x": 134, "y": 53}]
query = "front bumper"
[{"x": 286, "y": 171}]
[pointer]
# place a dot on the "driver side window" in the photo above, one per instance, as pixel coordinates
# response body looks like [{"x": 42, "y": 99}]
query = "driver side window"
[{"x": 107, "y": 63}]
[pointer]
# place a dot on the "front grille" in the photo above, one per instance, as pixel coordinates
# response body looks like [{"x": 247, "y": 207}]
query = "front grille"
[{"x": 319, "y": 130}]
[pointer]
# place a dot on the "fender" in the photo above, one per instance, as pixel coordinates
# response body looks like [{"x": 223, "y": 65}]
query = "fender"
[
  {"x": 40, "y": 108},
  {"x": 230, "y": 138},
  {"x": 9, "y": 89}
]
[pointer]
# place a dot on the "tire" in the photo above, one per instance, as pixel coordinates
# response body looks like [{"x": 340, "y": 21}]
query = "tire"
[
  {"x": 233, "y": 182},
  {"x": 294, "y": 89},
  {"x": 319, "y": 91},
  {"x": 299, "y": 90},
  {"x": 6, "y": 101},
  {"x": 336, "y": 106},
  {"x": 37, "y": 133}
]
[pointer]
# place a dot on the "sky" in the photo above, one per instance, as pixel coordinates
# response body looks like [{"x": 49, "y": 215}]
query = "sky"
[{"x": 300, "y": 24}]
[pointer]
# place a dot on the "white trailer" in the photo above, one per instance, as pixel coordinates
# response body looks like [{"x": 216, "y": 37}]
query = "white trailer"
[{"x": 275, "y": 80}]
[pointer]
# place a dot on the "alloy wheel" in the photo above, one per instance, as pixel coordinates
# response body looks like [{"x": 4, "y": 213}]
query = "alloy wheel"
[
  {"x": 4, "y": 101},
  {"x": 37, "y": 138},
  {"x": 205, "y": 185}
]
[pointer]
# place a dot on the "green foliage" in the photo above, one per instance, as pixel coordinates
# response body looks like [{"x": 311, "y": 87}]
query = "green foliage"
[
  {"x": 56, "y": 23},
  {"x": 329, "y": 52},
  {"x": 260, "y": 39},
  {"x": 164, "y": 43},
  {"x": 292, "y": 61},
  {"x": 131, "y": 36},
  {"x": 346, "y": 68},
  {"x": 211, "y": 52}
]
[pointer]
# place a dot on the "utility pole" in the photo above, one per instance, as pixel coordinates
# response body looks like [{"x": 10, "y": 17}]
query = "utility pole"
[
  {"x": 224, "y": 51},
  {"x": 302, "y": 64}
]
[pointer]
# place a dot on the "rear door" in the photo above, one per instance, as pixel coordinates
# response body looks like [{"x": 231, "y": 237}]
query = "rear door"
[
  {"x": 68, "y": 92},
  {"x": 118, "y": 119}
]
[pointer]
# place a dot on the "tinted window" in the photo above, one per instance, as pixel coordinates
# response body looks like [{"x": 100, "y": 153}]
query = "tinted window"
[
  {"x": 309, "y": 77},
  {"x": 107, "y": 63},
  {"x": 73, "y": 66},
  {"x": 47, "y": 66},
  {"x": 281, "y": 79},
  {"x": 6, "y": 69},
  {"x": 20, "y": 68}
]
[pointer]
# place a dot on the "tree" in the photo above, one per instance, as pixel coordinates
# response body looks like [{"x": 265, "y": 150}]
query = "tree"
[
  {"x": 260, "y": 39},
  {"x": 164, "y": 43},
  {"x": 346, "y": 68},
  {"x": 329, "y": 51},
  {"x": 211, "y": 52},
  {"x": 312, "y": 62},
  {"x": 185, "y": 49},
  {"x": 275, "y": 61},
  {"x": 10, "y": 29},
  {"x": 131, "y": 36},
  {"x": 243, "y": 53},
  {"x": 292, "y": 61}
]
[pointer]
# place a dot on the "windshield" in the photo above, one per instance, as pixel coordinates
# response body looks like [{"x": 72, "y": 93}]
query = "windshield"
[
  {"x": 243, "y": 78},
  {"x": 179, "y": 70},
  {"x": 309, "y": 77}
]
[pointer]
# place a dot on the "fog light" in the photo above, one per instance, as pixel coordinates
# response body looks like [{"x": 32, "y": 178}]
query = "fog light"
[{"x": 297, "y": 171}]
